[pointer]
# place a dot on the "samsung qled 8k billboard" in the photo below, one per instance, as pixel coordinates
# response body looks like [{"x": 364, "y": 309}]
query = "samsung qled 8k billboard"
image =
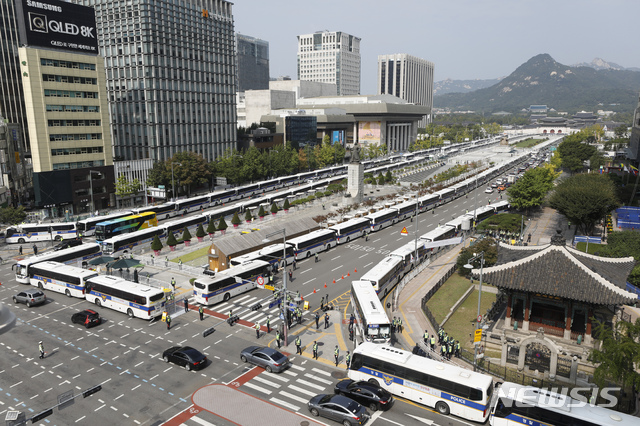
[{"x": 58, "y": 25}]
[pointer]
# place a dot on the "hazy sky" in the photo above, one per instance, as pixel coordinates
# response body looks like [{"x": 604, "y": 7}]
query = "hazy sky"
[{"x": 465, "y": 39}]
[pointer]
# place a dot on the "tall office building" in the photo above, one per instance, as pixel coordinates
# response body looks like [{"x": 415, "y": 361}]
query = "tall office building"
[
  {"x": 253, "y": 63},
  {"x": 330, "y": 57},
  {"x": 171, "y": 76},
  {"x": 64, "y": 87},
  {"x": 407, "y": 77}
]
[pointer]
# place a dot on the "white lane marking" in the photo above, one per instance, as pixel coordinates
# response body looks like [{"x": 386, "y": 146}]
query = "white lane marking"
[
  {"x": 301, "y": 390},
  {"x": 286, "y": 404},
  {"x": 266, "y": 382},
  {"x": 311, "y": 376},
  {"x": 294, "y": 397},
  {"x": 317, "y": 370},
  {"x": 258, "y": 388},
  {"x": 311, "y": 385}
]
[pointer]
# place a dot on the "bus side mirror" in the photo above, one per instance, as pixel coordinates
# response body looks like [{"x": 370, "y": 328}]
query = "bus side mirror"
[{"x": 388, "y": 305}]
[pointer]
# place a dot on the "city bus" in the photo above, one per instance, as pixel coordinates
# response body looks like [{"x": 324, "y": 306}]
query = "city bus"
[
  {"x": 313, "y": 242},
  {"x": 177, "y": 226},
  {"x": 271, "y": 254},
  {"x": 78, "y": 255},
  {"x": 527, "y": 405},
  {"x": 408, "y": 255},
  {"x": 124, "y": 225},
  {"x": 385, "y": 275},
  {"x": 162, "y": 211},
  {"x": 447, "y": 388},
  {"x": 372, "y": 321},
  {"x": 61, "y": 278},
  {"x": 221, "y": 197},
  {"x": 382, "y": 219},
  {"x": 351, "y": 229},
  {"x": 136, "y": 300},
  {"x": 406, "y": 209},
  {"x": 87, "y": 227},
  {"x": 230, "y": 282},
  {"x": 428, "y": 202},
  {"x": 33, "y": 232},
  {"x": 192, "y": 204},
  {"x": 121, "y": 244}
]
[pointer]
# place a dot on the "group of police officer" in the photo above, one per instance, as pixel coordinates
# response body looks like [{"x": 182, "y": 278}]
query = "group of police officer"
[{"x": 448, "y": 345}]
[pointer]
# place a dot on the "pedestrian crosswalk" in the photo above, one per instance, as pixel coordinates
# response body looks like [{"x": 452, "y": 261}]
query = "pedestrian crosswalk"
[
  {"x": 293, "y": 388},
  {"x": 241, "y": 306}
]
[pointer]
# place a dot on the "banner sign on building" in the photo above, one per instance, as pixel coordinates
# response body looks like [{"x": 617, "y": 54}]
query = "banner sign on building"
[
  {"x": 369, "y": 131},
  {"x": 57, "y": 25},
  {"x": 337, "y": 137}
]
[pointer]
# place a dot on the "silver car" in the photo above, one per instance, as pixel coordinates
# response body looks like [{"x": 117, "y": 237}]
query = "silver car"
[
  {"x": 270, "y": 359},
  {"x": 30, "y": 297}
]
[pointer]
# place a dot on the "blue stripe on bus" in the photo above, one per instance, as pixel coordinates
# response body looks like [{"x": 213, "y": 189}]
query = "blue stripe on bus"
[
  {"x": 313, "y": 246},
  {"x": 526, "y": 420},
  {"x": 64, "y": 284},
  {"x": 229, "y": 287},
  {"x": 388, "y": 380},
  {"x": 131, "y": 304}
]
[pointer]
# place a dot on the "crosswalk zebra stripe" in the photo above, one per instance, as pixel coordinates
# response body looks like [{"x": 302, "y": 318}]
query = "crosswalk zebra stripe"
[
  {"x": 246, "y": 302},
  {"x": 266, "y": 382},
  {"x": 291, "y": 373},
  {"x": 286, "y": 404},
  {"x": 249, "y": 316},
  {"x": 317, "y": 370},
  {"x": 301, "y": 390},
  {"x": 279, "y": 377},
  {"x": 311, "y": 376},
  {"x": 311, "y": 385},
  {"x": 258, "y": 388},
  {"x": 294, "y": 397},
  {"x": 297, "y": 367},
  {"x": 201, "y": 422}
]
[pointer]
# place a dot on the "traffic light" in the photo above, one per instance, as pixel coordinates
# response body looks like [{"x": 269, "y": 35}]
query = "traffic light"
[
  {"x": 233, "y": 319},
  {"x": 256, "y": 307},
  {"x": 91, "y": 391}
]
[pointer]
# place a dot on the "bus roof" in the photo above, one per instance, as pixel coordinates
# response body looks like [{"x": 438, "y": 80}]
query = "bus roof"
[
  {"x": 438, "y": 232},
  {"x": 316, "y": 233},
  {"x": 104, "y": 218},
  {"x": 66, "y": 269},
  {"x": 351, "y": 222},
  {"x": 134, "y": 234},
  {"x": 122, "y": 284},
  {"x": 132, "y": 216},
  {"x": 381, "y": 213},
  {"x": 52, "y": 255},
  {"x": 369, "y": 302}
]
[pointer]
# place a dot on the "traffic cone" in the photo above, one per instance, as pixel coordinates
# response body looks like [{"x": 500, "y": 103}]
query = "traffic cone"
[
  {"x": 325, "y": 285},
  {"x": 314, "y": 290},
  {"x": 348, "y": 274},
  {"x": 356, "y": 270},
  {"x": 334, "y": 280},
  {"x": 342, "y": 276}
]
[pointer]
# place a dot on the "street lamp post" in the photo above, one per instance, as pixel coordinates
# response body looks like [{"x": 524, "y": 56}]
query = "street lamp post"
[
  {"x": 283, "y": 293},
  {"x": 91, "y": 190},
  {"x": 173, "y": 187},
  {"x": 470, "y": 266}
]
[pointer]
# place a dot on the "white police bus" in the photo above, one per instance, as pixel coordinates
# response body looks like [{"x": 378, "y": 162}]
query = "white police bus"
[
  {"x": 271, "y": 254},
  {"x": 136, "y": 300},
  {"x": 448, "y": 388},
  {"x": 32, "y": 232},
  {"x": 351, "y": 229},
  {"x": 230, "y": 282},
  {"x": 385, "y": 275},
  {"x": 313, "y": 242},
  {"x": 526, "y": 405},
  {"x": 372, "y": 321},
  {"x": 61, "y": 278},
  {"x": 77, "y": 255}
]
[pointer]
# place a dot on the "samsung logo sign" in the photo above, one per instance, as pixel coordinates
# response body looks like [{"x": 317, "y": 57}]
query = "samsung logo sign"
[{"x": 44, "y": 6}]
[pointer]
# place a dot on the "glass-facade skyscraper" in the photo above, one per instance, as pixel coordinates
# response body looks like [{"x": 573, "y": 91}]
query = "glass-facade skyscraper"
[
  {"x": 253, "y": 63},
  {"x": 171, "y": 76}
]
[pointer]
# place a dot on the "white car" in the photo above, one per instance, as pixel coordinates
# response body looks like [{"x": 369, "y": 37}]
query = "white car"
[{"x": 489, "y": 190}]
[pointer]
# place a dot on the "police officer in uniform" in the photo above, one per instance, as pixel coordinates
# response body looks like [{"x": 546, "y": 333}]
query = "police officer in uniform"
[
  {"x": 336, "y": 354},
  {"x": 347, "y": 359},
  {"x": 317, "y": 321},
  {"x": 326, "y": 320},
  {"x": 278, "y": 338},
  {"x": 268, "y": 325},
  {"x": 201, "y": 312},
  {"x": 41, "y": 349},
  {"x": 168, "y": 319},
  {"x": 257, "y": 330},
  {"x": 315, "y": 349},
  {"x": 298, "y": 345},
  {"x": 173, "y": 283}
]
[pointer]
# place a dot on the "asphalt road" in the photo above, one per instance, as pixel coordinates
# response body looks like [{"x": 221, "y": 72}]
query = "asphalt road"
[{"x": 124, "y": 355}]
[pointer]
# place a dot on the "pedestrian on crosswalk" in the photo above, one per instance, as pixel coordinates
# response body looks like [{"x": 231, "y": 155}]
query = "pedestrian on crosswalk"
[
  {"x": 257, "y": 330},
  {"x": 298, "y": 345},
  {"x": 326, "y": 320},
  {"x": 317, "y": 321},
  {"x": 336, "y": 354},
  {"x": 201, "y": 312},
  {"x": 268, "y": 325},
  {"x": 315, "y": 349},
  {"x": 278, "y": 338},
  {"x": 168, "y": 320}
]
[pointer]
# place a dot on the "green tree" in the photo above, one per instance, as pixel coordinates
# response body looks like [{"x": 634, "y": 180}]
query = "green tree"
[
  {"x": 573, "y": 152},
  {"x": 156, "y": 244},
  {"x": 186, "y": 235},
  {"x": 12, "y": 215},
  {"x": 247, "y": 216},
  {"x": 621, "y": 131},
  {"x": 584, "y": 199},
  {"x": 124, "y": 187},
  {"x": 531, "y": 190},
  {"x": 486, "y": 245},
  {"x": 192, "y": 170},
  {"x": 222, "y": 225},
  {"x": 211, "y": 227},
  {"x": 274, "y": 208},
  {"x": 261, "y": 212},
  {"x": 200, "y": 231},
  {"x": 618, "y": 356},
  {"x": 171, "y": 240},
  {"x": 235, "y": 220},
  {"x": 286, "y": 204},
  {"x": 388, "y": 178},
  {"x": 623, "y": 244}
]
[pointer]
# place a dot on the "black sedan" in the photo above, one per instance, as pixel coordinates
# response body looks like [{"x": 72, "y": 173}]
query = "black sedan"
[
  {"x": 88, "y": 318},
  {"x": 185, "y": 356},
  {"x": 365, "y": 393},
  {"x": 339, "y": 408}
]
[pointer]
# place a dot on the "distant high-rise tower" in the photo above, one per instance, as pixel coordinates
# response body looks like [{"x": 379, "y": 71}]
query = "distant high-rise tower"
[
  {"x": 330, "y": 57},
  {"x": 253, "y": 63},
  {"x": 171, "y": 76},
  {"x": 407, "y": 77}
]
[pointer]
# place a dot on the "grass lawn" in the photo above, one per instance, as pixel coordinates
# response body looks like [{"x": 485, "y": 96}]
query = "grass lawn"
[
  {"x": 447, "y": 295},
  {"x": 186, "y": 258},
  {"x": 459, "y": 325},
  {"x": 528, "y": 143},
  {"x": 593, "y": 247}
]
